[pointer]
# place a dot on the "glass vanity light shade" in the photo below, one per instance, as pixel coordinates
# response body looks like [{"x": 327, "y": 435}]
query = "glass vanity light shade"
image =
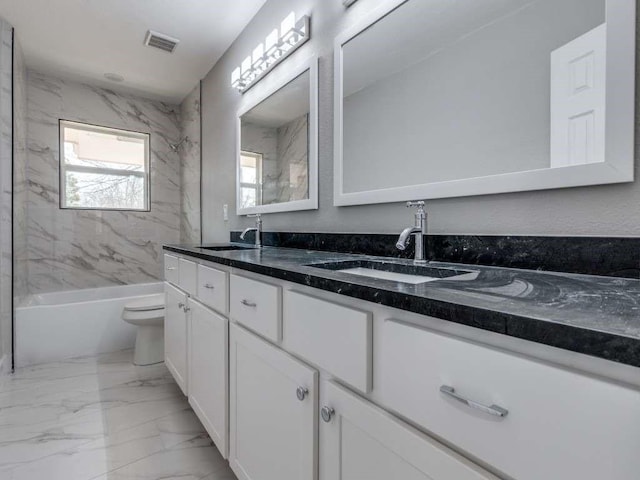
[
  {"x": 258, "y": 64},
  {"x": 236, "y": 81},
  {"x": 287, "y": 30},
  {"x": 272, "y": 47},
  {"x": 279, "y": 44},
  {"x": 246, "y": 72},
  {"x": 294, "y": 33}
]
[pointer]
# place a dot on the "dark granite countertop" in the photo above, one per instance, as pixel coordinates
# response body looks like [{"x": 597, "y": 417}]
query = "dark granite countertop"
[{"x": 594, "y": 315}]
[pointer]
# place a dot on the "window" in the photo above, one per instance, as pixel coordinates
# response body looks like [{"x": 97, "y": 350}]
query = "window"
[
  {"x": 103, "y": 168},
  {"x": 250, "y": 179}
]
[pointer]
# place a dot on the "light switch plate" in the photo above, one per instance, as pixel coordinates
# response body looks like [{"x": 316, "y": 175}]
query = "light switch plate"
[{"x": 225, "y": 212}]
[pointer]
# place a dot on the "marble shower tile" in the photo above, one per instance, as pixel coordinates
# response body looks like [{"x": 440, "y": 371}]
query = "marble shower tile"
[
  {"x": 190, "y": 227},
  {"x": 70, "y": 249},
  {"x": 6, "y": 188},
  {"x": 19, "y": 173}
]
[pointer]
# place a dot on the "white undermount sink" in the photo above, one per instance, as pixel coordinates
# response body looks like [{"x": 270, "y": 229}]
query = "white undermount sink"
[{"x": 395, "y": 272}]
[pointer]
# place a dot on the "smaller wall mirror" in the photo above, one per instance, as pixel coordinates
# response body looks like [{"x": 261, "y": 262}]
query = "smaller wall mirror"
[{"x": 277, "y": 161}]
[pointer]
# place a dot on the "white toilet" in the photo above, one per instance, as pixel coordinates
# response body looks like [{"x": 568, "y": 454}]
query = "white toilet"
[{"x": 147, "y": 314}]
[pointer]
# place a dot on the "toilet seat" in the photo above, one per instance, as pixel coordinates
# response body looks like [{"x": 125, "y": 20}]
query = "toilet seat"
[{"x": 146, "y": 304}]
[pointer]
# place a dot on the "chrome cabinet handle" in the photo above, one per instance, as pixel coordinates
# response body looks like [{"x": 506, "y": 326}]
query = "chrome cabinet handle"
[
  {"x": 186, "y": 309},
  {"x": 247, "y": 303},
  {"x": 171, "y": 268},
  {"x": 301, "y": 393},
  {"x": 326, "y": 413},
  {"x": 494, "y": 410},
  {"x": 181, "y": 305},
  {"x": 209, "y": 286}
]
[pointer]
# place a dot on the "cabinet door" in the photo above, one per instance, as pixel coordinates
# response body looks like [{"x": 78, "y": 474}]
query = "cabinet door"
[
  {"x": 359, "y": 441},
  {"x": 208, "y": 371},
  {"x": 175, "y": 335},
  {"x": 273, "y": 423}
]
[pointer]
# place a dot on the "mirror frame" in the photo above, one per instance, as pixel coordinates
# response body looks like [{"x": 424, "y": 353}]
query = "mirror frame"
[
  {"x": 257, "y": 96},
  {"x": 619, "y": 137}
]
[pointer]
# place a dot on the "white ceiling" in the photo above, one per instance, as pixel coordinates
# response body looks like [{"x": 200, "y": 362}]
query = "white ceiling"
[{"x": 87, "y": 38}]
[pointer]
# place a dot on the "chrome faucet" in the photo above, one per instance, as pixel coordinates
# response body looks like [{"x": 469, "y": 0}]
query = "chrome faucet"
[
  {"x": 419, "y": 230},
  {"x": 257, "y": 229}
]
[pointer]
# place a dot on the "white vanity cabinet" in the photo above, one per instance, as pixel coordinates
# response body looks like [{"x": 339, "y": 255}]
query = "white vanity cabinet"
[
  {"x": 256, "y": 305},
  {"x": 171, "y": 265},
  {"x": 303, "y": 384},
  {"x": 213, "y": 289},
  {"x": 187, "y": 276},
  {"x": 273, "y": 405},
  {"x": 525, "y": 418},
  {"x": 362, "y": 442},
  {"x": 209, "y": 371},
  {"x": 176, "y": 334}
]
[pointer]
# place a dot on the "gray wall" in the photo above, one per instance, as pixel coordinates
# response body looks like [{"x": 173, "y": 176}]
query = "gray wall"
[
  {"x": 600, "y": 210},
  {"x": 73, "y": 249}
]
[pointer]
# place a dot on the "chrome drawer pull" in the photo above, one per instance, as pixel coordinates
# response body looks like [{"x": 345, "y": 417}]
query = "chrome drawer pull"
[
  {"x": 209, "y": 286},
  {"x": 494, "y": 410},
  {"x": 171, "y": 268},
  {"x": 247, "y": 303},
  {"x": 301, "y": 393},
  {"x": 327, "y": 413}
]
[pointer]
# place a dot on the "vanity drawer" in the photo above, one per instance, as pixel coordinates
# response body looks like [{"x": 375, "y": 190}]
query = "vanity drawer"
[
  {"x": 171, "y": 266},
  {"x": 212, "y": 288},
  {"x": 187, "y": 275},
  {"x": 333, "y": 337},
  {"x": 256, "y": 305},
  {"x": 559, "y": 424}
]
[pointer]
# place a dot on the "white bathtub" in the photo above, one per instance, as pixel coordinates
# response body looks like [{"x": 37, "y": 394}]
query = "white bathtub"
[{"x": 60, "y": 325}]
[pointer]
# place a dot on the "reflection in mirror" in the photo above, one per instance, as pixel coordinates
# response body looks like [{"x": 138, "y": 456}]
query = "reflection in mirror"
[
  {"x": 274, "y": 147},
  {"x": 439, "y": 91}
]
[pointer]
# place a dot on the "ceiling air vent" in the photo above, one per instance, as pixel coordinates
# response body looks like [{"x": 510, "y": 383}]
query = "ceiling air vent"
[{"x": 161, "y": 41}]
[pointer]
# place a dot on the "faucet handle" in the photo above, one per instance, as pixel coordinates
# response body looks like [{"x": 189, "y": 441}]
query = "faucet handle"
[{"x": 417, "y": 203}]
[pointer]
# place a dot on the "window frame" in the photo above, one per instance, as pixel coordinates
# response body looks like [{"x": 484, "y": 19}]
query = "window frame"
[
  {"x": 64, "y": 168},
  {"x": 258, "y": 185}
]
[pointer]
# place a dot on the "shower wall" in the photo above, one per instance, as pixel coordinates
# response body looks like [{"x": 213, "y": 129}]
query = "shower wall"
[
  {"x": 190, "y": 231},
  {"x": 6, "y": 194}
]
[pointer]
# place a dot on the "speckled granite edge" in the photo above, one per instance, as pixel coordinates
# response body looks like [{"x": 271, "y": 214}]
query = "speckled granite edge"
[
  {"x": 609, "y": 346},
  {"x": 606, "y": 256}
]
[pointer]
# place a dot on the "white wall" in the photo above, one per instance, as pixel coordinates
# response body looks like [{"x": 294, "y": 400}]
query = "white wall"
[{"x": 601, "y": 210}]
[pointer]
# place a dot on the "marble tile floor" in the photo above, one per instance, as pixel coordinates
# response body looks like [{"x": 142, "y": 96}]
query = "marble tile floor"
[{"x": 102, "y": 418}]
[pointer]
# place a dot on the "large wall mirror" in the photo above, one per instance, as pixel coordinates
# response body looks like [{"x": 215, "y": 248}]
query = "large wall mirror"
[
  {"x": 438, "y": 99},
  {"x": 277, "y": 160}
]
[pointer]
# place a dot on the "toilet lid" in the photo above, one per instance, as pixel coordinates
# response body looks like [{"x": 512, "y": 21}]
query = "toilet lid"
[{"x": 150, "y": 302}]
